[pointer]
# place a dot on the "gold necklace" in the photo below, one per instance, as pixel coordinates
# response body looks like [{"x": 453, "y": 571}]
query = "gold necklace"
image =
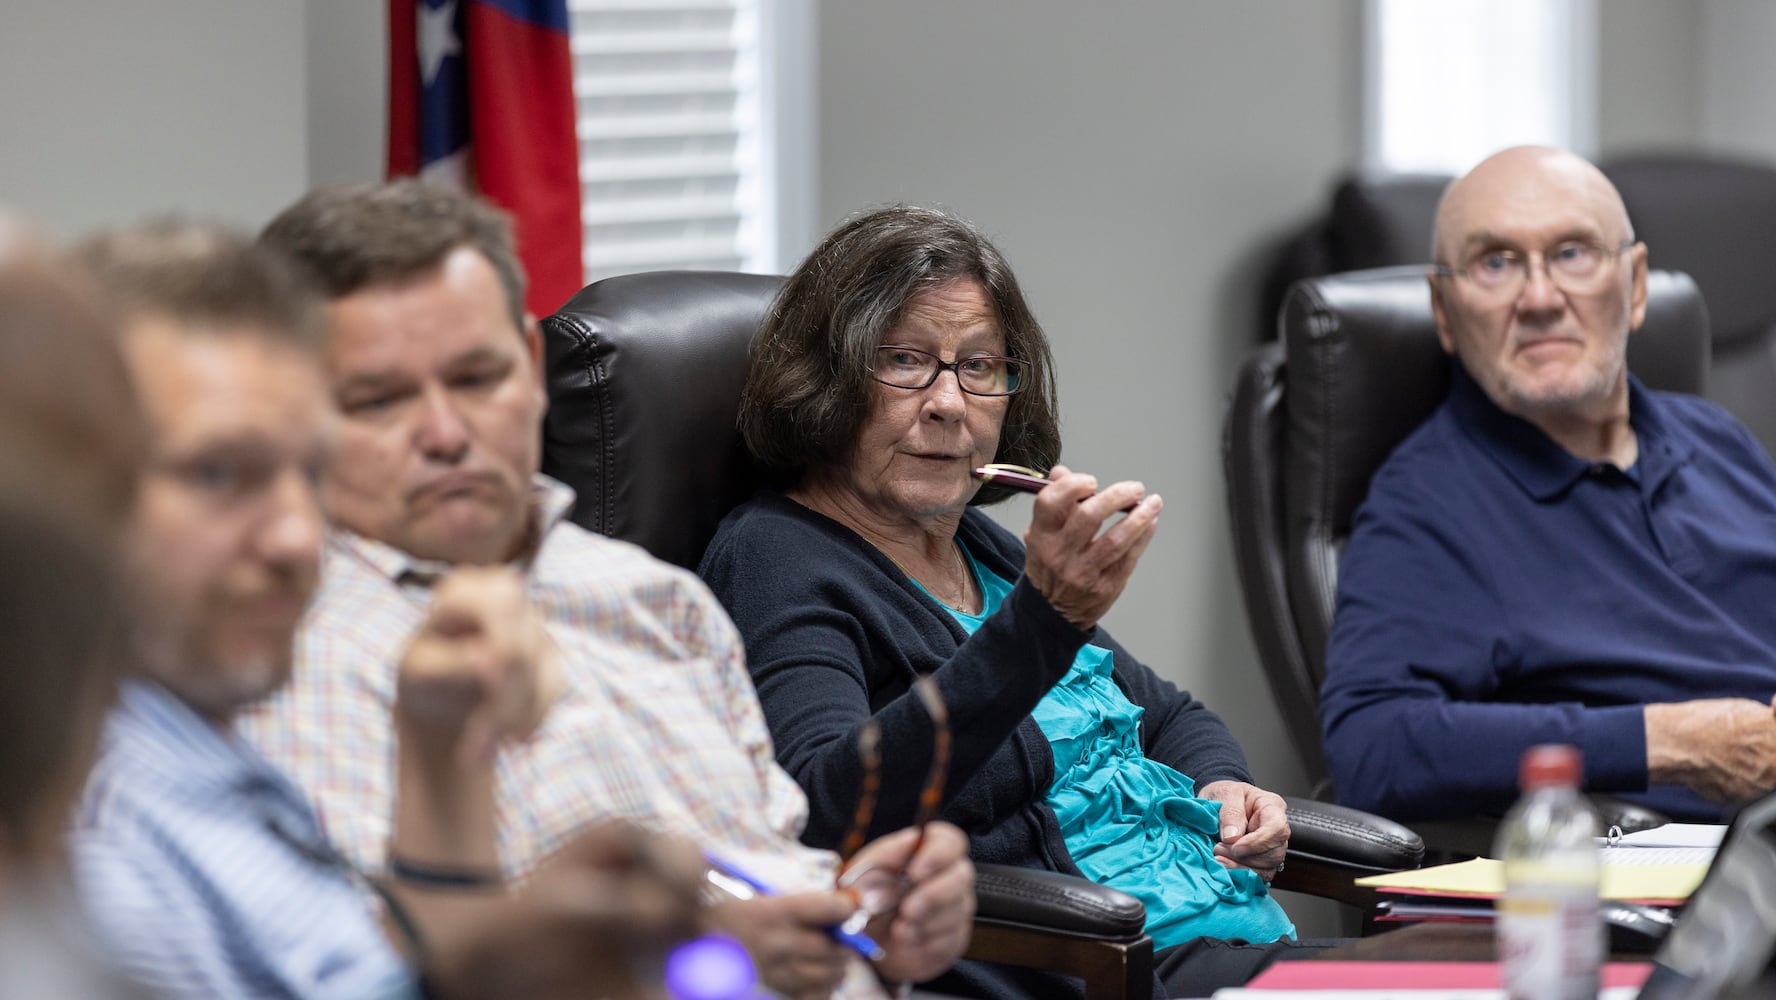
[
  {"x": 961, "y": 580},
  {"x": 961, "y": 604}
]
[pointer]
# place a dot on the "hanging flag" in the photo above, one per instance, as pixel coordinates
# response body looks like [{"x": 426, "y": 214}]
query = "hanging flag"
[{"x": 481, "y": 95}]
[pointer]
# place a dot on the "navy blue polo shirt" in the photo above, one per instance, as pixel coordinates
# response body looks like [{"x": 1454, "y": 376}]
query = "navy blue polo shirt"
[{"x": 1497, "y": 592}]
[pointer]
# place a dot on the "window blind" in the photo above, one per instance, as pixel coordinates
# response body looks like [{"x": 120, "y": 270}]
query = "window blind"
[{"x": 669, "y": 123}]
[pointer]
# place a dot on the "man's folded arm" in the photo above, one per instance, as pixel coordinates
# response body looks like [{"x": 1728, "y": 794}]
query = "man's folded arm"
[
  {"x": 1415, "y": 758},
  {"x": 1417, "y": 657}
]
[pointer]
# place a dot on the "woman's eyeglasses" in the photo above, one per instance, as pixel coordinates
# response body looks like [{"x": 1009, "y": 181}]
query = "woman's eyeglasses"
[
  {"x": 982, "y": 375},
  {"x": 878, "y": 888}
]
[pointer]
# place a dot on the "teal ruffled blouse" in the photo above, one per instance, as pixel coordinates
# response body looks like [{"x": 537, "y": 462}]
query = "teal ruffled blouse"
[{"x": 1129, "y": 822}]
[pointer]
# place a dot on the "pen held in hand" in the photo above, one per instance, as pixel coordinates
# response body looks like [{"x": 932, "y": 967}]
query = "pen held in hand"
[
  {"x": 731, "y": 881},
  {"x": 1022, "y": 479}
]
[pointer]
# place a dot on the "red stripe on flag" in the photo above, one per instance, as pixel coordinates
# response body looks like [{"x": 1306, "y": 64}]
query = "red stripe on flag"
[
  {"x": 403, "y": 85},
  {"x": 526, "y": 158}
]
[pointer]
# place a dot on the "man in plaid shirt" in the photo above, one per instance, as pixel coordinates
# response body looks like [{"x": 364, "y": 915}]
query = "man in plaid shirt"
[{"x": 437, "y": 371}]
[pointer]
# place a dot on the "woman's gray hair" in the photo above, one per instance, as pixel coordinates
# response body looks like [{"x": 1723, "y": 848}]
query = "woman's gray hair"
[{"x": 808, "y": 389}]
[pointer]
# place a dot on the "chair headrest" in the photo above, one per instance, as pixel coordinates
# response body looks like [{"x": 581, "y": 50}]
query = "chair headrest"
[
  {"x": 1379, "y": 220},
  {"x": 644, "y": 377},
  {"x": 1364, "y": 368}
]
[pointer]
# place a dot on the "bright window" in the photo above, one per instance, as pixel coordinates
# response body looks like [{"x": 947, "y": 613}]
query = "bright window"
[{"x": 1451, "y": 81}]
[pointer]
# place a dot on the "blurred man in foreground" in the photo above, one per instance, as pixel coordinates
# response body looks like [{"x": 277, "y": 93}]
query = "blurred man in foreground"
[{"x": 70, "y": 436}]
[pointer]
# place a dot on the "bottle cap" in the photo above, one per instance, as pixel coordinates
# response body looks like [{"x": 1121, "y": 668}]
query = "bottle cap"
[{"x": 1550, "y": 765}]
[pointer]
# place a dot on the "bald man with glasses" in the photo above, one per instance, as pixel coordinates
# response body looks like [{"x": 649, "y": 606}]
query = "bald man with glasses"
[{"x": 1558, "y": 555}]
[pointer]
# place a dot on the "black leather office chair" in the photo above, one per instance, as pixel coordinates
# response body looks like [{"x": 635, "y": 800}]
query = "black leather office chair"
[
  {"x": 1374, "y": 220},
  {"x": 1314, "y": 414},
  {"x": 645, "y": 372}
]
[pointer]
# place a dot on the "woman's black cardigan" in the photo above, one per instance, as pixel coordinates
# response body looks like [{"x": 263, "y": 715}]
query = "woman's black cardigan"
[{"x": 835, "y": 633}]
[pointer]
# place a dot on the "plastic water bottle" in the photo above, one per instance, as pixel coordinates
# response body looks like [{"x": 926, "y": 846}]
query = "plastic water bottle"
[{"x": 1550, "y": 937}]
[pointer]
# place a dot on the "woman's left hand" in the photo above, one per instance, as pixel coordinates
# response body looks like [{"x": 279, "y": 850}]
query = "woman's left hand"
[{"x": 1254, "y": 826}]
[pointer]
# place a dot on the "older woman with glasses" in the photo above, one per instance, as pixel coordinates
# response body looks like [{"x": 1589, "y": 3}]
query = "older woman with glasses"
[{"x": 896, "y": 360}]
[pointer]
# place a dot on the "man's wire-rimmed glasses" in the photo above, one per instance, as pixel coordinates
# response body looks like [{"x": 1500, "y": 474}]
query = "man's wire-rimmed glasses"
[
  {"x": 878, "y": 888},
  {"x": 1573, "y": 266},
  {"x": 981, "y": 375}
]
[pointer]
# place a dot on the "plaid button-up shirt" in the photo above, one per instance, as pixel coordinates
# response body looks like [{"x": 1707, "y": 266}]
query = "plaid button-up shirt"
[{"x": 659, "y": 722}]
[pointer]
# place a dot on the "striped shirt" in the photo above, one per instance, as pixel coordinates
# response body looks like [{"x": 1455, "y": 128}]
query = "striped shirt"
[
  {"x": 659, "y": 722},
  {"x": 47, "y": 948},
  {"x": 205, "y": 871}
]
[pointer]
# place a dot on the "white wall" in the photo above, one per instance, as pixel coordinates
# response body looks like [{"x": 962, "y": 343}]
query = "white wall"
[
  {"x": 1737, "y": 77},
  {"x": 1134, "y": 160},
  {"x": 1648, "y": 58},
  {"x": 1695, "y": 75},
  {"x": 115, "y": 108},
  {"x": 347, "y": 90}
]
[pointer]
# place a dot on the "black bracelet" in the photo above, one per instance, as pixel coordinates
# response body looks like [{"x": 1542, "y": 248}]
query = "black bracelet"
[{"x": 429, "y": 876}]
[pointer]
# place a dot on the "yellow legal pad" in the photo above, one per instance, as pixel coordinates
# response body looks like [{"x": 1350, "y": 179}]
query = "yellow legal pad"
[{"x": 1485, "y": 878}]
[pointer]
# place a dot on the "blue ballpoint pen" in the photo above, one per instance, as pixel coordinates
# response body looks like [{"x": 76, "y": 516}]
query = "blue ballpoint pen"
[{"x": 736, "y": 883}]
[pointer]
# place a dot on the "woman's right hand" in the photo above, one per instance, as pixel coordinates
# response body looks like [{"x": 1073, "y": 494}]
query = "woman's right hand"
[{"x": 1070, "y": 558}]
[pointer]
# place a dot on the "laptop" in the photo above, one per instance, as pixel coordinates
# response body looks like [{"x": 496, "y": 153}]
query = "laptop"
[{"x": 1721, "y": 945}]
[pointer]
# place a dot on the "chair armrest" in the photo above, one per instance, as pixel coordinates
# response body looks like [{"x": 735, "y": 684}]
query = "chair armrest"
[
  {"x": 1350, "y": 837},
  {"x": 1052, "y": 901},
  {"x": 1331, "y": 846},
  {"x": 1045, "y": 920}
]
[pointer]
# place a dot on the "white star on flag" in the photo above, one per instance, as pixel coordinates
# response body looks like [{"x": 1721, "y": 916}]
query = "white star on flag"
[{"x": 437, "y": 39}]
